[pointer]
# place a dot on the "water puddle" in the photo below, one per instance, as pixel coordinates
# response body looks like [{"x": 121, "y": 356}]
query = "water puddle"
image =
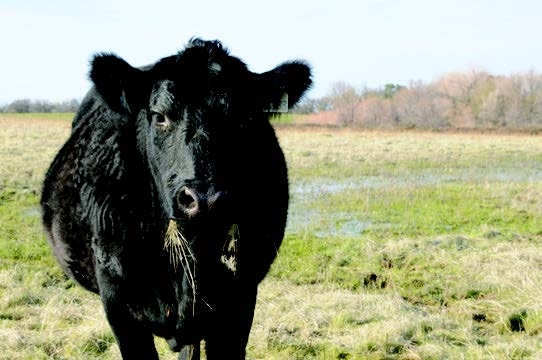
[
  {"x": 32, "y": 211},
  {"x": 328, "y": 223},
  {"x": 424, "y": 178}
]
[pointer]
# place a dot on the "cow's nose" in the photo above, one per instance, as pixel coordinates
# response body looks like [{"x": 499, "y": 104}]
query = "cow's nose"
[
  {"x": 189, "y": 201},
  {"x": 193, "y": 203}
]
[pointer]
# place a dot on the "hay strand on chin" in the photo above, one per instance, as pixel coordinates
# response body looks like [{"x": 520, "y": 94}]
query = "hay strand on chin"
[
  {"x": 174, "y": 243},
  {"x": 179, "y": 252}
]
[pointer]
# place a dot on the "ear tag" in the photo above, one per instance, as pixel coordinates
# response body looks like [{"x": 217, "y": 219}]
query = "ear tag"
[{"x": 282, "y": 106}]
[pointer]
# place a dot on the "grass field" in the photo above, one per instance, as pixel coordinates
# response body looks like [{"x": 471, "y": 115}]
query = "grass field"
[{"x": 400, "y": 245}]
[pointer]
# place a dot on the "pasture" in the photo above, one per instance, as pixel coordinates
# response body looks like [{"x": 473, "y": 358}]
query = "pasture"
[{"x": 400, "y": 245}]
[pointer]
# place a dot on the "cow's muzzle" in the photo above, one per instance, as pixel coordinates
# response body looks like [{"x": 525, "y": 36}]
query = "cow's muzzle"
[{"x": 193, "y": 203}]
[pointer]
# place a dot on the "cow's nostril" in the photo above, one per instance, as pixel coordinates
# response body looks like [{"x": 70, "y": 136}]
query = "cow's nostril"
[{"x": 188, "y": 201}]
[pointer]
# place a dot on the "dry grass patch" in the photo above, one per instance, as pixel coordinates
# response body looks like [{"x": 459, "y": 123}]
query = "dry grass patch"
[{"x": 27, "y": 146}]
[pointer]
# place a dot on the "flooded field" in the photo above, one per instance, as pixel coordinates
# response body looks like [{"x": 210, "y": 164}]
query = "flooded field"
[{"x": 373, "y": 170}]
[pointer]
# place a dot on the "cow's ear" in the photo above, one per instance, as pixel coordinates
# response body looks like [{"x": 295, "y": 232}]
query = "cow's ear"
[
  {"x": 118, "y": 83},
  {"x": 285, "y": 85}
]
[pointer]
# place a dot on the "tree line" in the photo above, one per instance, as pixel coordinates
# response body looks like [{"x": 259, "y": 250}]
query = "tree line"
[
  {"x": 40, "y": 106},
  {"x": 469, "y": 99}
]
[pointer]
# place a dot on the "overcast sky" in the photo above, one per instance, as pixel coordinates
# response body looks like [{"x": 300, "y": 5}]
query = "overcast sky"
[{"x": 46, "y": 45}]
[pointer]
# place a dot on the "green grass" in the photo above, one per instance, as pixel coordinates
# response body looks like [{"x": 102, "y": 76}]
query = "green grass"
[
  {"x": 400, "y": 245},
  {"x": 283, "y": 119}
]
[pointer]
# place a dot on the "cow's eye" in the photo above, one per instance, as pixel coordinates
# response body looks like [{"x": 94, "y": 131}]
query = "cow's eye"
[{"x": 160, "y": 120}]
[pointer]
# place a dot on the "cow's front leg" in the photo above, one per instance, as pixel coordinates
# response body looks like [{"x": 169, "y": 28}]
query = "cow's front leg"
[
  {"x": 134, "y": 340},
  {"x": 227, "y": 337},
  {"x": 190, "y": 352}
]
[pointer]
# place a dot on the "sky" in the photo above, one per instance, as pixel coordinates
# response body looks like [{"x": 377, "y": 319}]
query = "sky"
[{"x": 46, "y": 46}]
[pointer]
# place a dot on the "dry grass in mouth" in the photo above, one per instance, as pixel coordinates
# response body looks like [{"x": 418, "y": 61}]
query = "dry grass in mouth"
[{"x": 179, "y": 253}]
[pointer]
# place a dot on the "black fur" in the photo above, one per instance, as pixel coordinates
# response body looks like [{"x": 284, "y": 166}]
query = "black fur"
[{"x": 188, "y": 139}]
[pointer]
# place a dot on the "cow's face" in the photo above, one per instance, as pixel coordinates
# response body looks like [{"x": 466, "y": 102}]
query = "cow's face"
[
  {"x": 193, "y": 108},
  {"x": 195, "y": 122},
  {"x": 187, "y": 148}
]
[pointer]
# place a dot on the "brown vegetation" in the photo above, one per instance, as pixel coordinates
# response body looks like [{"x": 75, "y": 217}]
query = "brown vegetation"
[{"x": 471, "y": 99}]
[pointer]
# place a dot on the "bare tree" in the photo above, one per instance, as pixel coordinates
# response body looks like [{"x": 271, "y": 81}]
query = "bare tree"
[
  {"x": 344, "y": 99},
  {"x": 19, "y": 106}
]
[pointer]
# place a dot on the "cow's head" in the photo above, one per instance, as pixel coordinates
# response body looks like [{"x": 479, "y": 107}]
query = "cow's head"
[
  {"x": 194, "y": 112},
  {"x": 196, "y": 104}
]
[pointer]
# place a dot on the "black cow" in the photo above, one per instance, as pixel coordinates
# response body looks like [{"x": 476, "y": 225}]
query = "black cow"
[{"x": 170, "y": 197}]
